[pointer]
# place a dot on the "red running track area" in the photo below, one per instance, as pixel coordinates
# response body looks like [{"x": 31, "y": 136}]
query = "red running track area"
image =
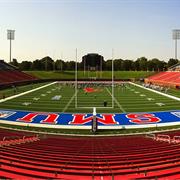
[{"x": 98, "y": 158}]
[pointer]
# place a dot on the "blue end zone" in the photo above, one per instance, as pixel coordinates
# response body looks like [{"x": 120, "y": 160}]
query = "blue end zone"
[{"x": 105, "y": 121}]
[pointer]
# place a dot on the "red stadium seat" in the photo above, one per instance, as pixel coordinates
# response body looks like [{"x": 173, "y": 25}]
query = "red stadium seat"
[
  {"x": 169, "y": 78},
  {"x": 131, "y": 157}
]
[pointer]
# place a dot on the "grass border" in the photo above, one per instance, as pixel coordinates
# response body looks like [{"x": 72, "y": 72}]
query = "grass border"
[{"x": 87, "y": 132}]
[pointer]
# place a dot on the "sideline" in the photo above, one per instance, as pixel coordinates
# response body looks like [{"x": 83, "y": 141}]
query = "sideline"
[
  {"x": 27, "y": 92},
  {"x": 163, "y": 94}
]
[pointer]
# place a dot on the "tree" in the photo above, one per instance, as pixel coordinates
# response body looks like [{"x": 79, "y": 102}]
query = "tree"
[
  {"x": 25, "y": 65},
  {"x": 156, "y": 65},
  {"x": 47, "y": 63},
  {"x": 127, "y": 65},
  {"x": 142, "y": 63},
  {"x": 70, "y": 65},
  {"x": 118, "y": 64},
  {"x": 172, "y": 62},
  {"x": 15, "y": 62},
  {"x": 59, "y": 65},
  {"x": 36, "y": 65},
  {"x": 136, "y": 66},
  {"x": 109, "y": 65}
]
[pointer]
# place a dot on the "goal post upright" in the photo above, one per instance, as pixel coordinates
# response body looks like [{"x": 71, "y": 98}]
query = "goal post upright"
[
  {"x": 76, "y": 81},
  {"x": 94, "y": 126},
  {"x": 94, "y": 111}
]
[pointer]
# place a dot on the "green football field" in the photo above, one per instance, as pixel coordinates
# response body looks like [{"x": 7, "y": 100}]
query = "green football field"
[{"x": 61, "y": 98}]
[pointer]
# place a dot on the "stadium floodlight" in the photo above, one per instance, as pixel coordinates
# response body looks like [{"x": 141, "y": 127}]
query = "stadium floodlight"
[
  {"x": 10, "y": 37},
  {"x": 176, "y": 36},
  {"x": 113, "y": 78},
  {"x": 76, "y": 81}
]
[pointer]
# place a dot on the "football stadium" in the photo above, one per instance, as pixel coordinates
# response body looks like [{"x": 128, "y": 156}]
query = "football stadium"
[
  {"x": 86, "y": 126},
  {"x": 94, "y": 117}
]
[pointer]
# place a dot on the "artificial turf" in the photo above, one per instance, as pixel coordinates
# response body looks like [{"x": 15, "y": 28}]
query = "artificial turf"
[{"x": 127, "y": 99}]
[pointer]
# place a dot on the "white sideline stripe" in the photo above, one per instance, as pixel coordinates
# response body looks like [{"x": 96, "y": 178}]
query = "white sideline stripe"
[
  {"x": 21, "y": 94},
  {"x": 163, "y": 94},
  {"x": 67, "y": 105},
  {"x": 116, "y": 101}
]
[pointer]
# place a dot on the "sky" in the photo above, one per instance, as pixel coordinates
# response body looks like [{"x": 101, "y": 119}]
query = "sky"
[{"x": 132, "y": 28}]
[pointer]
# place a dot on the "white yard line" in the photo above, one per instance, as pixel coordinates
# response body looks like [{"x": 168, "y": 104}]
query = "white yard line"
[
  {"x": 69, "y": 102},
  {"x": 122, "y": 109},
  {"x": 163, "y": 94},
  {"x": 27, "y": 92}
]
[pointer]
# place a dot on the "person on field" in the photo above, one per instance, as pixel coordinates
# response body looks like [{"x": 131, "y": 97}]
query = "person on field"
[{"x": 105, "y": 103}]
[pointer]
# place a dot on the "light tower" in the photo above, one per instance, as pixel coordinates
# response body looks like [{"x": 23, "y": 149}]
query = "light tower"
[
  {"x": 176, "y": 36},
  {"x": 10, "y": 36}
]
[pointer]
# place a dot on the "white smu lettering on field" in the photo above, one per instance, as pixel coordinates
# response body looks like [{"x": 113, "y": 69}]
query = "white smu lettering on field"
[
  {"x": 176, "y": 114},
  {"x": 5, "y": 114}
]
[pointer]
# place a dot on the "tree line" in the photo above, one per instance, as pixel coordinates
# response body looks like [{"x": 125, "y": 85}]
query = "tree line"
[{"x": 141, "y": 64}]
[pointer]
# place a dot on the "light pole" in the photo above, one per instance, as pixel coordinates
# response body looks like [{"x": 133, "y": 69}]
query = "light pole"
[
  {"x": 76, "y": 76},
  {"x": 10, "y": 36},
  {"x": 113, "y": 78},
  {"x": 176, "y": 36}
]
